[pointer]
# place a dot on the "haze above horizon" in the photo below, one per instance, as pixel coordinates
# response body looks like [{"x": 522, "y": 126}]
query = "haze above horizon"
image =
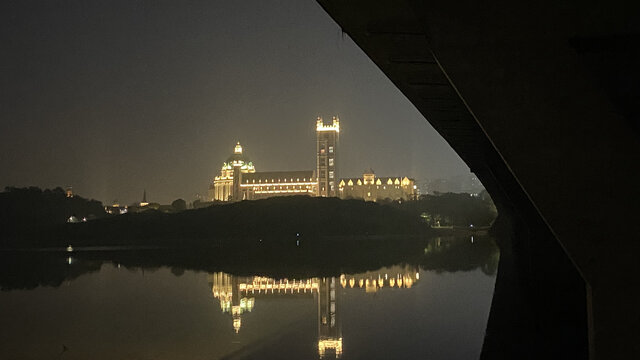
[{"x": 116, "y": 97}]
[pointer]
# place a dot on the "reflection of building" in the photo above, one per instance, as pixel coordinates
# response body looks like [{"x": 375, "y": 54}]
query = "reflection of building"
[
  {"x": 237, "y": 295},
  {"x": 225, "y": 289},
  {"x": 372, "y": 188}
]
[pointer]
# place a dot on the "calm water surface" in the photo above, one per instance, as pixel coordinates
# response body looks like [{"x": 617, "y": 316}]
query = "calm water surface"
[{"x": 425, "y": 310}]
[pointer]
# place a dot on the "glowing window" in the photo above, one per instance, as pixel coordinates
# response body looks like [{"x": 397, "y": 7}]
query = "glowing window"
[
  {"x": 331, "y": 149},
  {"x": 330, "y": 161},
  {"x": 330, "y": 174}
]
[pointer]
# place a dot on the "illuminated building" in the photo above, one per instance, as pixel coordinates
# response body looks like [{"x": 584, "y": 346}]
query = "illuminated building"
[
  {"x": 262, "y": 185},
  {"x": 372, "y": 188},
  {"x": 226, "y": 186},
  {"x": 326, "y": 151},
  {"x": 238, "y": 179},
  {"x": 237, "y": 295}
]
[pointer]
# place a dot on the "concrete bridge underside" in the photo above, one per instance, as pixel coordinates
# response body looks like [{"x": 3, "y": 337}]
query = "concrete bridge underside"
[{"x": 541, "y": 102}]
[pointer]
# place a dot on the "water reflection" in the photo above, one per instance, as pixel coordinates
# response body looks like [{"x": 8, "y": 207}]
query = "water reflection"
[
  {"x": 437, "y": 295},
  {"x": 237, "y": 295}
]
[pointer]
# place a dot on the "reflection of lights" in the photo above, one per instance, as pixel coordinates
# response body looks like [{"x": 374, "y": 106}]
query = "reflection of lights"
[
  {"x": 69, "y": 260},
  {"x": 324, "y": 345},
  {"x": 408, "y": 282},
  {"x": 236, "y": 310}
]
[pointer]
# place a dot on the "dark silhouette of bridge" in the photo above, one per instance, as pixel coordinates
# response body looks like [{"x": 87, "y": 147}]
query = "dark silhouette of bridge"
[{"x": 540, "y": 100}]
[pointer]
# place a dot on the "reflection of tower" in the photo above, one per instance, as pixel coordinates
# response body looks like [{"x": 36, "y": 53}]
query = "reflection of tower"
[
  {"x": 329, "y": 327},
  {"x": 327, "y": 149}
]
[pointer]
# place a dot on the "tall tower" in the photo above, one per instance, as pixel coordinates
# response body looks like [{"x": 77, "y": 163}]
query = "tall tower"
[{"x": 327, "y": 150}]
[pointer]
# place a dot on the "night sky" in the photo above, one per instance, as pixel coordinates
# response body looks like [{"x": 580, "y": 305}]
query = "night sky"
[{"x": 114, "y": 97}]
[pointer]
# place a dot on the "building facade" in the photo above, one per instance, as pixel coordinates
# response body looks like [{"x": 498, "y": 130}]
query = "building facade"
[
  {"x": 326, "y": 154},
  {"x": 261, "y": 185},
  {"x": 238, "y": 179},
  {"x": 226, "y": 186},
  {"x": 372, "y": 188}
]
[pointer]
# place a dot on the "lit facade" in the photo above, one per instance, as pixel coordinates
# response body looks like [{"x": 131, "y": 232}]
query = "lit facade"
[
  {"x": 261, "y": 185},
  {"x": 326, "y": 151},
  {"x": 238, "y": 179},
  {"x": 226, "y": 186},
  {"x": 372, "y": 188}
]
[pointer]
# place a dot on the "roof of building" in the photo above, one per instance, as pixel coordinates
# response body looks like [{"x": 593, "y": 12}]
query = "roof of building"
[
  {"x": 279, "y": 176},
  {"x": 238, "y": 156},
  {"x": 385, "y": 180}
]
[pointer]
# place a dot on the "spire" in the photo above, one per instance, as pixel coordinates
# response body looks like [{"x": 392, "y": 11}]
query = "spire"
[{"x": 238, "y": 148}]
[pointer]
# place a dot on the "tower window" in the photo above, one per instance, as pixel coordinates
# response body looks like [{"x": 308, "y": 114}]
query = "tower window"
[
  {"x": 331, "y": 149},
  {"x": 330, "y": 161},
  {"x": 330, "y": 174}
]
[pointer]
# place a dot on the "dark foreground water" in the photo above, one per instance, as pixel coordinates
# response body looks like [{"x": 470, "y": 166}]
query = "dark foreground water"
[{"x": 434, "y": 306}]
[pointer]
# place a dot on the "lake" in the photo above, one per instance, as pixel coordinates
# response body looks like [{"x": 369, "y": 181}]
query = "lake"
[{"x": 434, "y": 305}]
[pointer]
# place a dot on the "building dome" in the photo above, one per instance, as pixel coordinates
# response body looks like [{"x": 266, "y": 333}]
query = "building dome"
[{"x": 238, "y": 159}]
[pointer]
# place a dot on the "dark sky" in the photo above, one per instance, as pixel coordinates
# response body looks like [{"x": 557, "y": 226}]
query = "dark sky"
[{"x": 113, "y": 97}]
